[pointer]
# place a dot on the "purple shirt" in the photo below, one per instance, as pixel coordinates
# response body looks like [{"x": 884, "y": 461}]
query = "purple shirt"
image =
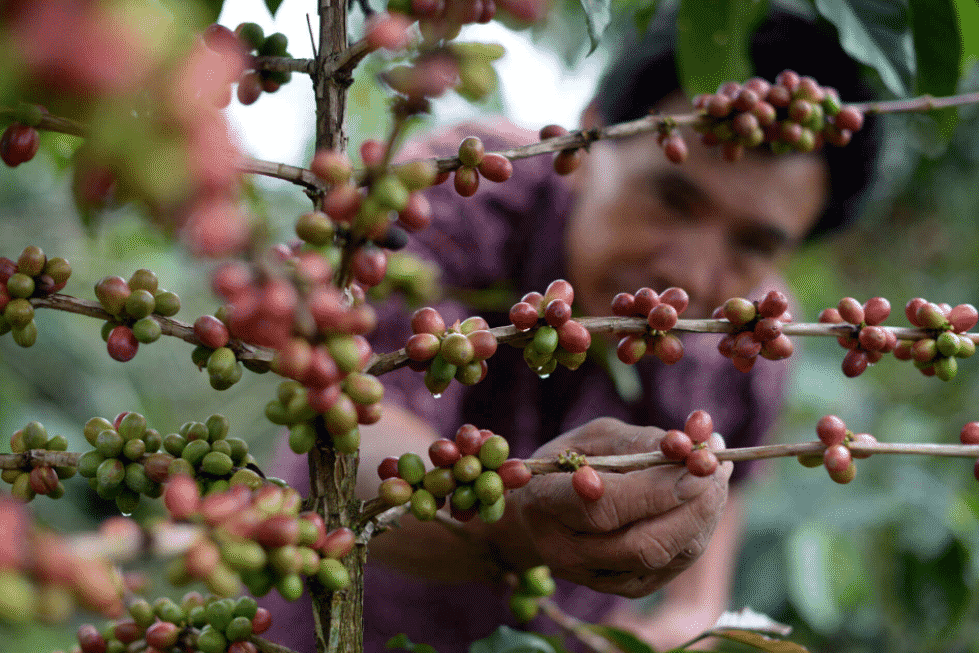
[{"x": 512, "y": 232}]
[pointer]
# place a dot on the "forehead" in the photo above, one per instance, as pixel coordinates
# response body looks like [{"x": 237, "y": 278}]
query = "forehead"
[{"x": 787, "y": 192}]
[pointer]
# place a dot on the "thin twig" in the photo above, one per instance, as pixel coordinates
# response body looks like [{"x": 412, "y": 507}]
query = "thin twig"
[{"x": 574, "y": 627}]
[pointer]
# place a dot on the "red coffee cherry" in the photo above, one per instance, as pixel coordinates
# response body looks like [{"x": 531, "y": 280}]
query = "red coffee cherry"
[
  {"x": 496, "y": 167},
  {"x": 644, "y": 300},
  {"x": 211, "y": 332},
  {"x": 745, "y": 345},
  {"x": 623, "y": 304},
  {"x": 574, "y": 337},
  {"x": 849, "y": 118},
  {"x": 369, "y": 265},
  {"x": 963, "y": 317},
  {"x": 469, "y": 440},
  {"x": 552, "y": 131},
  {"x": 122, "y": 344},
  {"x": 427, "y": 320},
  {"x": 699, "y": 426},
  {"x": 873, "y": 338},
  {"x": 631, "y": 349},
  {"x": 388, "y": 468},
  {"x": 18, "y": 144},
  {"x": 831, "y": 430},
  {"x": 372, "y": 152},
  {"x": 676, "y": 445},
  {"x": 773, "y": 304},
  {"x": 702, "y": 462},
  {"x": 466, "y": 181},
  {"x": 557, "y": 312},
  {"x": 837, "y": 458},
  {"x": 587, "y": 483},
  {"x": 969, "y": 433},
  {"x": 876, "y": 310},
  {"x": 675, "y": 297},
  {"x": 855, "y": 363},
  {"x": 559, "y": 289},
  {"x": 850, "y": 310},
  {"x": 777, "y": 349},
  {"x": 675, "y": 148},
  {"x": 766, "y": 329},
  {"x": 523, "y": 316},
  {"x": 668, "y": 348},
  {"x": 862, "y": 439},
  {"x": 249, "y": 88},
  {"x": 662, "y": 317},
  {"x": 567, "y": 161},
  {"x": 444, "y": 452},
  {"x": 514, "y": 474}
]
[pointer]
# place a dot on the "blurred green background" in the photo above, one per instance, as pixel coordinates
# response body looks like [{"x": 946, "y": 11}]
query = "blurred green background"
[{"x": 889, "y": 562}]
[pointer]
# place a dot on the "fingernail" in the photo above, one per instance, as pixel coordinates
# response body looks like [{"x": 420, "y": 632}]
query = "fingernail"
[{"x": 689, "y": 486}]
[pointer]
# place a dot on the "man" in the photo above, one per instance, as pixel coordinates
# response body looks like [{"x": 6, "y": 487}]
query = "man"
[{"x": 627, "y": 218}]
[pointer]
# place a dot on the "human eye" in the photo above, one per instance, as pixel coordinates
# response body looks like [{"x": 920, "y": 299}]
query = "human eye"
[{"x": 763, "y": 242}]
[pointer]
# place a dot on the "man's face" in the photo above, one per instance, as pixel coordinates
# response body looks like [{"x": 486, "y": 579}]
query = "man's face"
[{"x": 714, "y": 228}]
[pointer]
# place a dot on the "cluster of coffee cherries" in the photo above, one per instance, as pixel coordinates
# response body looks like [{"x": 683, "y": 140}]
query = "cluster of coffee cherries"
[
  {"x": 565, "y": 161},
  {"x": 132, "y": 305},
  {"x": 660, "y": 310},
  {"x": 197, "y": 623},
  {"x": 938, "y": 355},
  {"x": 42, "y": 479},
  {"x": 795, "y": 113},
  {"x": 130, "y": 460},
  {"x": 444, "y": 353},
  {"x": 533, "y": 585},
  {"x": 689, "y": 446},
  {"x": 20, "y": 140},
  {"x": 32, "y": 275},
  {"x": 870, "y": 341},
  {"x": 757, "y": 329},
  {"x": 476, "y": 163},
  {"x": 258, "y": 538},
  {"x": 439, "y": 66},
  {"x": 246, "y": 39},
  {"x": 410, "y": 276},
  {"x": 43, "y": 578},
  {"x": 837, "y": 457},
  {"x": 214, "y": 353},
  {"x": 556, "y": 338},
  {"x": 473, "y": 468}
]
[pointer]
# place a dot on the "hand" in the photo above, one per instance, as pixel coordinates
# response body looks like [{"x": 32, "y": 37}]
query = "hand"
[{"x": 648, "y": 526}]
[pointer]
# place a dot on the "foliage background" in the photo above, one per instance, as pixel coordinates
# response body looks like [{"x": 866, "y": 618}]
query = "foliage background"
[{"x": 887, "y": 563}]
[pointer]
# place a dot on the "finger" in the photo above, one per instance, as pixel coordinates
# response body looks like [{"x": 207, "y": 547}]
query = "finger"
[
  {"x": 627, "y": 498},
  {"x": 611, "y": 437}
]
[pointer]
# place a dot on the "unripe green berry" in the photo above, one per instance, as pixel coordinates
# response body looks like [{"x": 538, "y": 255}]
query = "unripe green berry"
[
  {"x": 467, "y": 469},
  {"x": 423, "y": 505},
  {"x": 216, "y": 463},
  {"x": 395, "y": 491},
  {"x": 166, "y": 303},
  {"x": 492, "y": 512},
  {"x": 347, "y": 442},
  {"x": 140, "y": 303},
  {"x": 947, "y": 343},
  {"x": 132, "y": 426},
  {"x": 58, "y": 269},
  {"x": 147, "y": 330},
  {"x": 489, "y": 487},
  {"x": 31, "y": 261},
  {"x": 471, "y": 151},
  {"x": 89, "y": 462},
  {"x": 18, "y": 313},
  {"x": 315, "y": 228},
  {"x": 545, "y": 341},
  {"x": 439, "y": 481},
  {"x": 195, "y": 451},
  {"x": 20, "y": 285},
  {"x": 494, "y": 451},
  {"x": 26, "y": 335},
  {"x": 332, "y": 574},
  {"x": 144, "y": 279},
  {"x": 302, "y": 437},
  {"x": 464, "y": 497},
  {"x": 134, "y": 449},
  {"x": 109, "y": 443},
  {"x": 946, "y": 368},
  {"x": 523, "y": 607},
  {"x": 411, "y": 468}
]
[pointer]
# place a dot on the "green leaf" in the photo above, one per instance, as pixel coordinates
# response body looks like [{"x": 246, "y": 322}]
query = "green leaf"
[
  {"x": 623, "y": 639},
  {"x": 938, "y": 54},
  {"x": 211, "y": 9},
  {"x": 876, "y": 34},
  {"x": 644, "y": 15},
  {"x": 968, "y": 13},
  {"x": 402, "y": 642},
  {"x": 713, "y": 38},
  {"x": 273, "y": 6},
  {"x": 597, "y": 16},
  {"x": 508, "y": 640},
  {"x": 760, "y": 642}
]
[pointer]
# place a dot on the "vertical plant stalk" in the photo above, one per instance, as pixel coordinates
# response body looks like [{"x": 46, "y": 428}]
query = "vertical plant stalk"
[{"x": 337, "y": 616}]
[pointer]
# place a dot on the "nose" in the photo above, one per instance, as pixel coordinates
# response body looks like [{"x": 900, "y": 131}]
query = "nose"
[{"x": 695, "y": 261}]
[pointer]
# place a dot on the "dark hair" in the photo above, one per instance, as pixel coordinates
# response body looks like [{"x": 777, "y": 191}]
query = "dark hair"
[{"x": 645, "y": 73}]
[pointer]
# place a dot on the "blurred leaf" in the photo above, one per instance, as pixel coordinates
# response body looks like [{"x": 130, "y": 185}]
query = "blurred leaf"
[
  {"x": 644, "y": 15},
  {"x": 761, "y": 642},
  {"x": 402, "y": 642},
  {"x": 968, "y": 13},
  {"x": 874, "y": 33},
  {"x": 748, "y": 619},
  {"x": 597, "y": 16},
  {"x": 712, "y": 42},
  {"x": 810, "y": 586},
  {"x": 212, "y": 9},
  {"x": 508, "y": 640},
  {"x": 938, "y": 55},
  {"x": 623, "y": 639},
  {"x": 273, "y": 6}
]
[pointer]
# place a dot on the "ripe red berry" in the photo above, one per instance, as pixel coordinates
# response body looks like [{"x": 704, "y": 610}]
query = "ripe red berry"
[
  {"x": 849, "y": 118},
  {"x": 427, "y": 320},
  {"x": 831, "y": 429},
  {"x": 466, "y": 181},
  {"x": 444, "y": 453},
  {"x": 777, "y": 349},
  {"x": 388, "y": 468},
  {"x": 855, "y": 363},
  {"x": 970, "y": 433},
  {"x": 122, "y": 344},
  {"x": 523, "y": 316},
  {"x": 699, "y": 426},
  {"x": 574, "y": 337},
  {"x": 249, "y": 88},
  {"x": 369, "y": 265},
  {"x": 644, "y": 300},
  {"x": 911, "y": 309},
  {"x": 766, "y": 329},
  {"x": 837, "y": 458},
  {"x": 587, "y": 483},
  {"x": 211, "y": 331},
  {"x": 557, "y": 312},
  {"x": 702, "y": 462},
  {"x": 676, "y": 445},
  {"x": 631, "y": 349},
  {"x": 668, "y": 348},
  {"x": 622, "y": 304},
  {"x": 662, "y": 317},
  {"x": 552, "y": 131},
  {"x": 675, "y": 148},
  {"x": 876, "y": 310},
  {"x": 873, "y": 338},
  {"x": 495, "y": 167},
  {"x": 567, "y": 161},
  {"x": 514, "y": 474},
  {"x": 850, "y": 310},
  {"x": 963, "y": 317},
  {"x": 18, "y": 144},
  {"x": 862, "y": 439}
]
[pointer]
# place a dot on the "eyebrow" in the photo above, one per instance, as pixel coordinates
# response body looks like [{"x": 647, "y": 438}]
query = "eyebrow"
[{"x": 668, "y": 183}]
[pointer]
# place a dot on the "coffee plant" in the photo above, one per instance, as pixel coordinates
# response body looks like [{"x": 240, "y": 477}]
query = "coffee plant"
[{"x": 136, "y": 90}]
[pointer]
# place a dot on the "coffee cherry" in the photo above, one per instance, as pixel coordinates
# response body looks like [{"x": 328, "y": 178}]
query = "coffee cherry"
[
  {"x": 969, "y": 433},
  {"x": 810, "y": 459},
  {"x": 850, "y": 310},
  {"x": 494, "y": 451},
  {"x": 471, "y": 151},
  {"x": 849, "y": 118},
  {"x": 18, "y": 144},
  {"x": 623, "y": 304},
  {"x": 523, "y": 316},
  {"x": 662, "y": 317},
  {"x": 738, "y": 310},
  {"x": 855, "y": 363},
  {"x": 444, "y": 453},
  {"x": 675, "y": 297},
  {"x": 587, "y": 483},
  {"x": 484, "y": 344},
  {"x": 699, "y": 426},
  {"x": 675, "y": 148},
  {"x": 676, "y": 445},
  {"x": 668, "y": 348},
  {"x": 702, "y": 462},
  {"x": 631, "y": 349},
  {"x": 573, "y": 337},
  {"x": 466, "y": 181},
  {"x": 495, "y": 167},
  {"x": 514, "y": 474},
  {"x": 963, "y": 317},
  {"x": 930, "y": 316},
  {"x": 862, "y": 439},
  {"x": 567, "y": 161},
  {"x": 427, "y": 320},
  {"x": 837, "y": 458},
  {"x": 122, "y": 344}
]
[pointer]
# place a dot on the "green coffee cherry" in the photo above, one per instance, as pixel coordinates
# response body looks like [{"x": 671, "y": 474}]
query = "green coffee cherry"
[
  {"x": 26, "y": 335},
  {"x": 140, "y": 304},
  {"x": 467, "y": 469},
  {"x": 147, "y": 330},
  {"x": 332, "y": 574},
  {"x": 89, "y": 462},
  {"x": 134, "y": 449},
  {"x": 109, "y": 444},
  {"x": 302, "y": 437},
  {"x": 95, "y": 426},
  {"x": 35, "y": 435},
  {"x": 216, "y": 463},
  {"x": 411, "y": 468},
  {"x": 348, "y": 442},
  {"x": 423, "y": 505},
  {"x": 18, "y": 313},
  {"x": 464, "y": 497},
  {"x": 217, "y": 427},
  {"x": 20, "y": 285},
  {"x": 132, "y": 425},
  {"x": 492, "y": 512},
  {"x": 195, "y": 451},
  {"x": 166, "y": 303},
  {"x": 494, "y": 452},
  {"x": 488, "y": 487}
]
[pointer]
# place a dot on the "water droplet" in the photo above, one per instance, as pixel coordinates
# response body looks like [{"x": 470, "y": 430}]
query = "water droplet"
[
  {"x": 544, "y": 376},
  {"x": 127, "y": 514},
  {"x": 436, "y": 395}
]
